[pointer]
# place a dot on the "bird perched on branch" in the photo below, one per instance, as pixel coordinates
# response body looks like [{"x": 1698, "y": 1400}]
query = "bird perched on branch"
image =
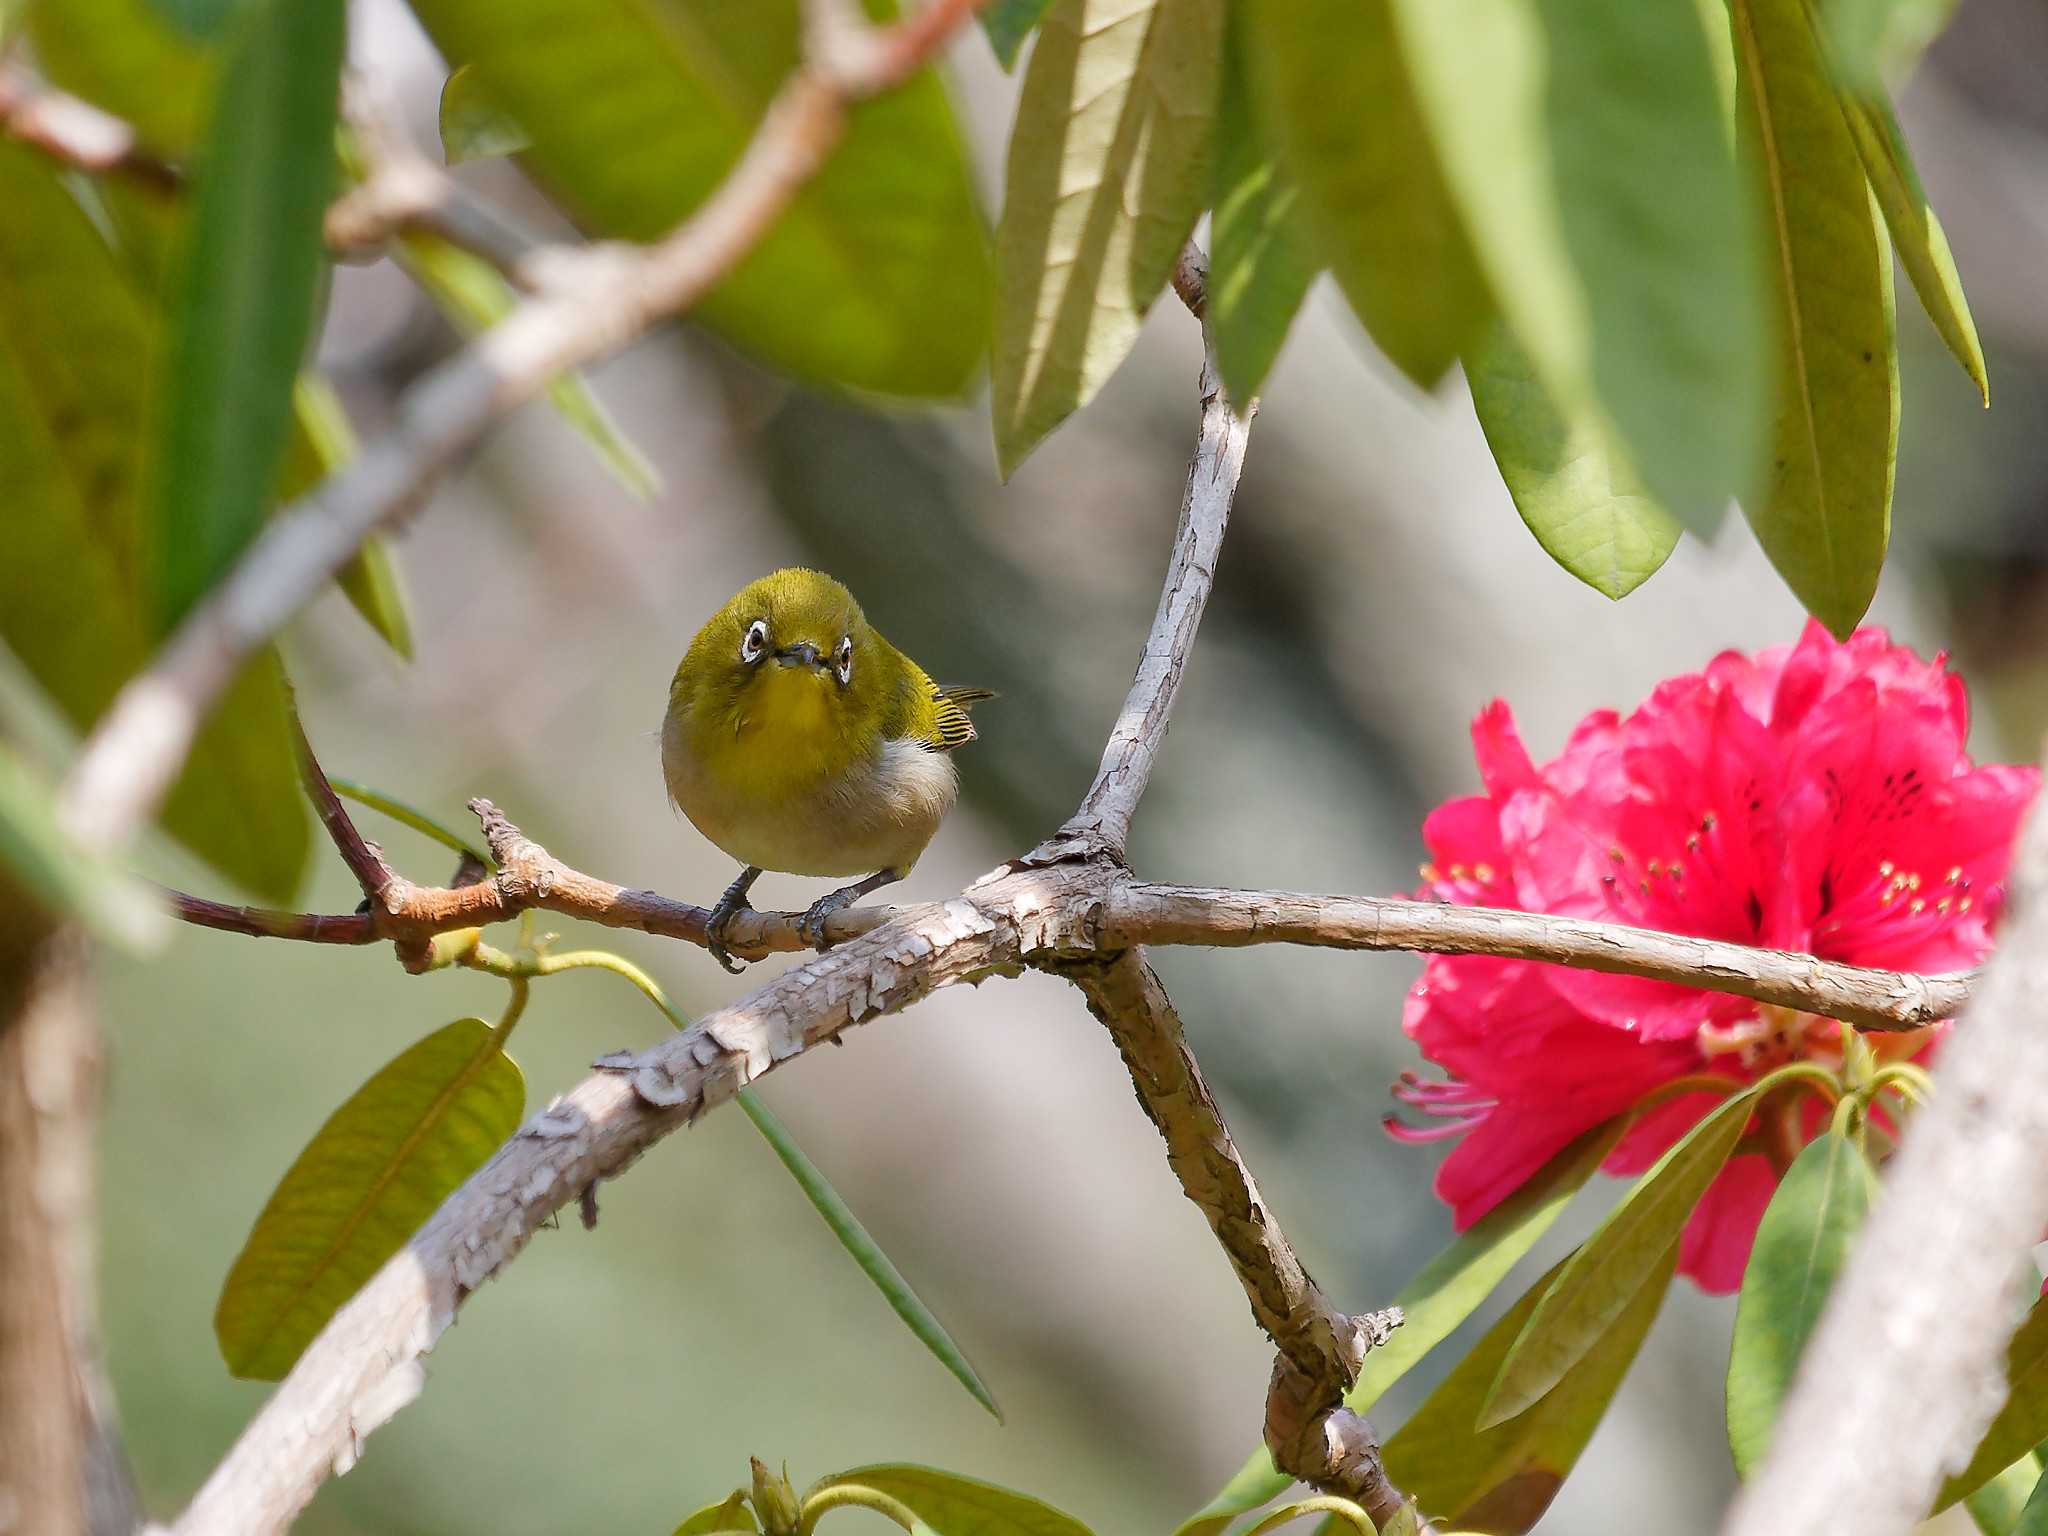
[{"x": 798, "y": 739}]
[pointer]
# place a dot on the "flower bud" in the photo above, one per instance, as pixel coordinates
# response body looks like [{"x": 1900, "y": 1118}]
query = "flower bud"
[{"x": 774, "y": 1500}]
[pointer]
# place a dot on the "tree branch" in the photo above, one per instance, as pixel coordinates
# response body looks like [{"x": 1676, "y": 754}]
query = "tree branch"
[
  {"x": 589, "y": 302},
  {"x": 76, "y": 133},
  {"x": 1103, "y": 822},
  {"x": 1310, "y": 1433},
  {"x": 1907, "y": 1365}
]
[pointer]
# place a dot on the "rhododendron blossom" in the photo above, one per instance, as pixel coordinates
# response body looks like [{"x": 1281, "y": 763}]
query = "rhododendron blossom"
[{"x": 1812, "y": 797}]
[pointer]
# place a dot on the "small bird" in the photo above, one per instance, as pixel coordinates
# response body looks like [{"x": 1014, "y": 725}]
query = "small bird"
[{"x": 798, "y": 739}]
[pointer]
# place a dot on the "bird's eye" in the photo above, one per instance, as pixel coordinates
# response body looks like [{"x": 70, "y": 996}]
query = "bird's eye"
[
  {"x": 755, "y": 644},
  {"x": 842, "y": 659}
]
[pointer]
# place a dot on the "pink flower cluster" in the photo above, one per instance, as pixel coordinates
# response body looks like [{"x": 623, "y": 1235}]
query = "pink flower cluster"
[{"x": 1813, "y": 797}]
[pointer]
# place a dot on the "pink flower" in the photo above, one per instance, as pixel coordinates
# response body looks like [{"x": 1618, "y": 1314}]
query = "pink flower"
[{"x": 1814, "y": 797}]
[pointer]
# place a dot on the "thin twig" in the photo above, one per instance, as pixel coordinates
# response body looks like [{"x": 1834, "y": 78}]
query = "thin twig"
[
  {"x": 365, "y": 860},
  {"x": 1907, "y": 1365},
  {"x": 76, "y": 133},
  {"x": 1103, "y": 822},
  {"x": 589, "y": 302}
]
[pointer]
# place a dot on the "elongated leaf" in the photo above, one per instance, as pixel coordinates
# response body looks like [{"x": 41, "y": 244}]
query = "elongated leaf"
[
  {"x": 876, "y": 277},
  {"x": 473, "y": 295},
  {"x": 1922, "y": 247},
  {"x": 61, "y": 876},
  {"x": 1569, "y": 477},
  {"x": 1500, "y": 1480},
  {"x": 472, "y": 126},
  {"x": 1447, "y": 1291},
  {"x": 1341, "y": 100},
  {"x": 1109, "y": 167},
  {"x": 731, "y": 1514},
  {"x": 1823, "y": 512},
  {"x": 2022, "y": 1423},
  {"x": 1626, "y": 1253},
  {"x": 953, "y": 1505},
  {"x": 1801, "y": 1245},
  {"x": 127, "y": 57},
  {"x": 379, "y": 1167},
  {"x": 1260, "y": 262},
  {"x": 1008, "y": 23},
  {"x": 244, "y": 309},
  {"x": 76, "y": 346},
  {"x": 1585, "y": 145},
  {"x": 2000, "y": 1507},
  {"x": 867, "y": 1253},
  {"x": 2033, "y": 1518},
  {"x": 321, "y": 442}
]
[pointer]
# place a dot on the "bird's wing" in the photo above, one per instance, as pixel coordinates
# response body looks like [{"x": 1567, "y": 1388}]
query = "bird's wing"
[{"x": 950, "y": 725}]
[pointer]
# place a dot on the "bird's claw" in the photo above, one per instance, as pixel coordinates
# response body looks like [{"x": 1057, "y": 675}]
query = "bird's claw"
[
  {"x": 811, "y": 926},
  {"x": 716, "y": 930}
]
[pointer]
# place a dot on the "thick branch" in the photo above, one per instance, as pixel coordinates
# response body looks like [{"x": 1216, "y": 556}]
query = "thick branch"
[
  {"x": 1103, "y": 822},
  {"x": 364, "y": 1366},
  {"x": 1311, "y": 1434},
  {"x": 1907, "y": 1365},
  {"x": 591, "y": 302}
]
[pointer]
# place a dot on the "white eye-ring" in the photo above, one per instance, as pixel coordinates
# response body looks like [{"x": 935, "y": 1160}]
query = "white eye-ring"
[
  {"x": 842, "y": 660},
  {"x": 755, "y": 643}
]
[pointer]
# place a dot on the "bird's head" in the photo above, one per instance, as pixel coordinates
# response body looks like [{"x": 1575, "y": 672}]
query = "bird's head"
[{"x": 790, "y": 659}]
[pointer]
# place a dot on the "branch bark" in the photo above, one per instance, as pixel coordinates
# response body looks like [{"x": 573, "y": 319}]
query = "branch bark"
[
  {"x": 76, "y": 133},
  {"x": 589, "y": 301},
  {"x": 1907, "y": 1365},
  {"x": 1309, "y": 1432}
]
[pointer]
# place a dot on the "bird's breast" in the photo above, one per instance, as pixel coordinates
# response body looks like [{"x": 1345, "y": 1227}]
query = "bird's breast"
[{"x": 877, "y": 813}]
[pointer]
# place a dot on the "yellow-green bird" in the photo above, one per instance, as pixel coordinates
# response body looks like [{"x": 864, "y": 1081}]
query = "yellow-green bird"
[{"x": 798, "y": 739}]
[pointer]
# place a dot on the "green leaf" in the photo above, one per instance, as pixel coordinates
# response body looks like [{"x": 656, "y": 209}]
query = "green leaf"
[
  {"x": 1343, "y": 106},
  {"x": 1585, "y": 144},
  {"x": 866, "y": 1252},
  {"x": 1108, "y": 169},
  {"x": 1917, "y": 233},
  {"x": 1342, "y": 1513},
  {"x": 731, "y": 1514},
  {"x": 379, "y": 1167},
  {"x": 1499, "y": 1480},
  {"x": 1823, "y": 513},
  {"x": 1626, "y": 1253},
  {"x": 2022, "y": 1423},
  {"x": 1801, "y": 1245},
  {"x": 1260, "y": 262},
  {"x": 127, "y": 57},
  {"x": 472, "y": 127},
  {"x": 76, "y": 350},
  {"x": 953, "y": 1505},
  {"x": 322, "y": 442},
  {"x": 2001, "y": 1507},
  {"x": 876, "y": 277},
  {"x": 63, "y": 877},
  {"x": 475, "y": 297},
  {"x": 2033, "y": 1518},
  {"x": 1008, "y": 22},
  {"x": 243, "y": 312},
  {"x": 1447, "y": 1291},
  {"x": 1570, "y": 478}
]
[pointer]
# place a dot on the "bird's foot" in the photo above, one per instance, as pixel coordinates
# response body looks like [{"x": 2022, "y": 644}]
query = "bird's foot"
[
  {"x": 730, "y": 906},
  {"x": 812, "y": 924}
]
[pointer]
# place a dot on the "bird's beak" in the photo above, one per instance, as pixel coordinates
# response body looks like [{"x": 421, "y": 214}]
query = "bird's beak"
[{"x": 806, "y": 655}]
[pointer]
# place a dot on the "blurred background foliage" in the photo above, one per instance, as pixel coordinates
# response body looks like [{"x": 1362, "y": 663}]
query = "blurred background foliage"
[{"x": 1376, "y": 590}]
